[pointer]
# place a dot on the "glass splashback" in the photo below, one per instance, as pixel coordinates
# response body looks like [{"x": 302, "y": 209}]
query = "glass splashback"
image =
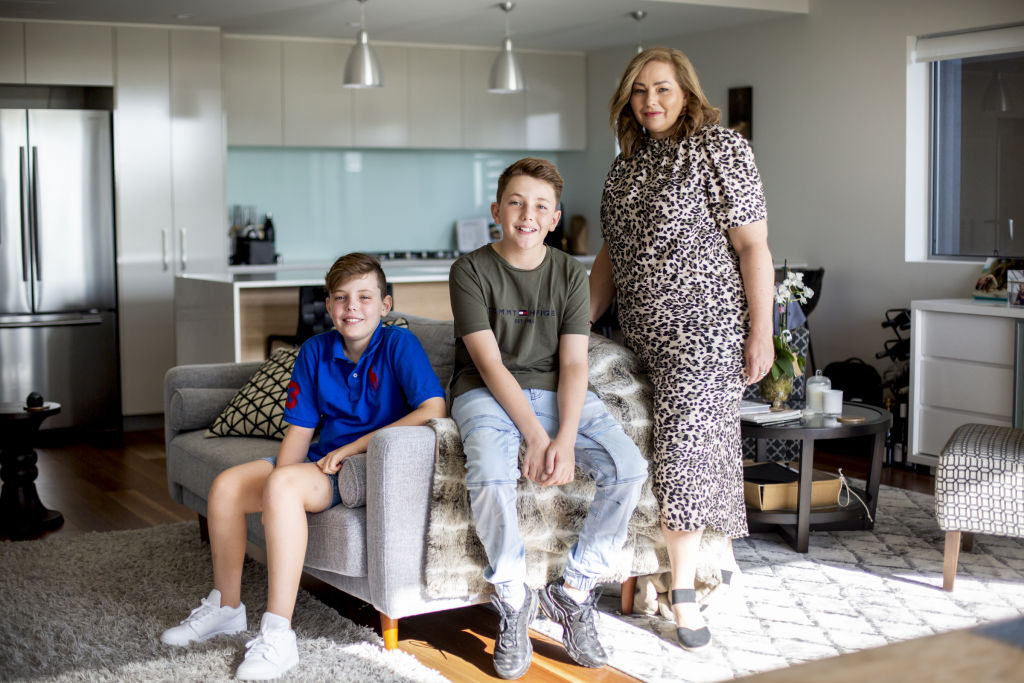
[{"x": 327, "y": 202}]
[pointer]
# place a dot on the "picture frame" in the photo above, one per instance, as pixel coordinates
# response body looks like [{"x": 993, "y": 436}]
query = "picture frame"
[
  {"x": 1015, "y": 288},
  {"x": 741, "y": 114}
]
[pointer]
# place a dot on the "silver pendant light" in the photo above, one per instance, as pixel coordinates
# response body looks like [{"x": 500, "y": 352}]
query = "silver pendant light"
[
  {"x": 996, "y": 98},
  {"x": 638, "y": 15},
  {"x": 506, "y": 76},
  {"x": 362, "y": 70}
]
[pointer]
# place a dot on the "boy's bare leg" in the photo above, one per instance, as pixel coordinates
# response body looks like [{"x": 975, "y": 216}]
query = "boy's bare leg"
[
  {"x": 235, "y": 492},
  {"x": 289, "y": 494}
]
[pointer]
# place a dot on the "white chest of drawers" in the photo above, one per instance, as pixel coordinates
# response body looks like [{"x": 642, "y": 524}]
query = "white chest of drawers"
[{"x": 965, "y": 367}]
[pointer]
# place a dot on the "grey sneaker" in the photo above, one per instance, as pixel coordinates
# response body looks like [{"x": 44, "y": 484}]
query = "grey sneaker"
[
  {"x": 513, "y": 650},
  {"x": 206, "y": 621},
  {"x": 579, "y": 634}
]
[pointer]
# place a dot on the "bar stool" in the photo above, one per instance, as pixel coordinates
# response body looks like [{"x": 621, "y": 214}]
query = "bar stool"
[{"x": 313, "y": 318}]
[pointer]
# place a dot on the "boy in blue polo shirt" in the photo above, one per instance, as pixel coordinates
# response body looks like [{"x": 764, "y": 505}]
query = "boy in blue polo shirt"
[{"x": 350, "y": 382}]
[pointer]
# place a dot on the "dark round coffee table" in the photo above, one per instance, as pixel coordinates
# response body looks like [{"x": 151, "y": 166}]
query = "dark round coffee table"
[
  {"x": 22, "y": 514},
  {"x": 796, "y": 526}
]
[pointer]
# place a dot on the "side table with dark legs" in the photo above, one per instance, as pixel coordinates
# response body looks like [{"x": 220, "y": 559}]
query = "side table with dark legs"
[
  {"x": 795, "y": 526},
  {"x": 22, "y": 514}
]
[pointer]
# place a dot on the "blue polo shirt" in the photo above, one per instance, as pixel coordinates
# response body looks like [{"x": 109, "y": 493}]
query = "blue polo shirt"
[{"x": 347, "y": 400}]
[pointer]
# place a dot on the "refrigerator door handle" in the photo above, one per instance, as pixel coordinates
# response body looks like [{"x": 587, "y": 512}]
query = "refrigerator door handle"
[
  {"x": 54, "y": 321},
  {"x": 163, "y": 249},
  {"x": 37, "y": 247},
  {"x": 26, "y": 216},
  {"x": 184, "y": 252}
]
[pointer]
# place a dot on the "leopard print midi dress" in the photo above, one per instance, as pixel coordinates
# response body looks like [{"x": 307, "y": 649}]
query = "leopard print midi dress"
[{"x": 665, "y": 213}]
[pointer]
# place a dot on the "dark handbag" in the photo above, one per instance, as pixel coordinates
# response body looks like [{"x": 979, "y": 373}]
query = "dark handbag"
[{"x": 858, "y": 380}]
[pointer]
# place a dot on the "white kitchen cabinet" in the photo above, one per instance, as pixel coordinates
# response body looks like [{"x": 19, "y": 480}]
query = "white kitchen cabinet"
[
  {"x": 169, "y": 165},
  {"x": 69, "y": 54},
  {"x": 556, "y": 101},
  {"x": 489, "y": 120},
  {"x": 198, "y": 151},
  {"x": 432, "y": 98},
  {"x": 381, "y": 115},
  {"x": 964, "y": 368},
  {"x": 142, "y": 163},
  {"x": 435, "y": 96},
  {"x": 253, "y": 90},
  {"x": 317, "y": 110},
  {"x": 12, "y": 52}
]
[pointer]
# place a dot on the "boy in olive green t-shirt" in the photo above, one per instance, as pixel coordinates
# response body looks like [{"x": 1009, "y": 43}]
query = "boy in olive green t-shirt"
[{"x": 521, "y": 376}]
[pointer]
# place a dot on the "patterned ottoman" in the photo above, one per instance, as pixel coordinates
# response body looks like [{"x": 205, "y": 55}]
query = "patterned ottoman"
[{"x": 979, "y": 488}]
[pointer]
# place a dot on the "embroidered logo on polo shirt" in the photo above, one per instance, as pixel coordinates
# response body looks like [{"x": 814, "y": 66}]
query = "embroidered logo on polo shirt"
[
  {"x": 522, "y": 315},
  {"x": 293, "y": 395},
  {"x": 373, "y": 379}
]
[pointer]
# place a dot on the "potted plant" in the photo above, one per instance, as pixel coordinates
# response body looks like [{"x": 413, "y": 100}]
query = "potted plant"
[{"x": 777, "y": 385}]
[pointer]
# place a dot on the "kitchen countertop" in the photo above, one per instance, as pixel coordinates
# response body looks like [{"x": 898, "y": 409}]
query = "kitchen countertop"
[{"x": 293, "y": 275}]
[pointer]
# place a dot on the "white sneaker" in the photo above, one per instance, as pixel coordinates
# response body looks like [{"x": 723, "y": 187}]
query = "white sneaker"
[
  {"x": 270, "y": 654},
  {"x": 206, "y": 621}
]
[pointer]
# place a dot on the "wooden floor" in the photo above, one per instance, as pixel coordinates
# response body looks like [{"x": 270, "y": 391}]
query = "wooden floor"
[{"x": 107, "y": 484}]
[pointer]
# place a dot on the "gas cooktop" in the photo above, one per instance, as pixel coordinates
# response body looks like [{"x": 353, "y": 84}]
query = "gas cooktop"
[{"x": 438, "y": 255}]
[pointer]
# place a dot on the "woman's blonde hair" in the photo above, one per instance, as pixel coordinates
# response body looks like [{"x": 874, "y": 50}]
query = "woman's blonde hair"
[{"x": 698, "y": 111}]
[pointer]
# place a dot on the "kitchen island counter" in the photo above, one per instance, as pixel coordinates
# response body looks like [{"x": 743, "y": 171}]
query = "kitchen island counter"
[{"x": 226, "y": 317}]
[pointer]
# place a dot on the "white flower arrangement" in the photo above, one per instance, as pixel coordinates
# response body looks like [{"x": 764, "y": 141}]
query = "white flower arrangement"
[{"x": 792, "y": 288}]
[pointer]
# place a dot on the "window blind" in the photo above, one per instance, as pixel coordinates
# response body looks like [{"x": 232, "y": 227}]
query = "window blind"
[{"x": 969, "y": 44}]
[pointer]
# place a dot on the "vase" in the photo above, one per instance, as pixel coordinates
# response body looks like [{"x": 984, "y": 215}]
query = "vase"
[{"x": 776, "y": 390}]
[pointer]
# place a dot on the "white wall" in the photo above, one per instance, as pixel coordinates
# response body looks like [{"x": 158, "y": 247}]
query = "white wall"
[{"x": 829, "y": 94}]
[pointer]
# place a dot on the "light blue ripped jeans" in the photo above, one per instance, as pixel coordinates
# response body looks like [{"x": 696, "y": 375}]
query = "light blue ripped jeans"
[{"x": 604, "y": 453}]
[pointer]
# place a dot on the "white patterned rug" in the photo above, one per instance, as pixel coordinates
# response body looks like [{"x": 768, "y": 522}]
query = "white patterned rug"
[{"x": 853, "y": 590}]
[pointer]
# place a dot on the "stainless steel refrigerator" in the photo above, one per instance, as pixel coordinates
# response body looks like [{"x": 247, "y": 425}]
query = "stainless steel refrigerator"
[{"x": 58, "y": 295}]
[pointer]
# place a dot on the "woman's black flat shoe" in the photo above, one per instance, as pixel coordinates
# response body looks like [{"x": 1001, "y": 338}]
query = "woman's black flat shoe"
[{"x": 689, "y": 638}]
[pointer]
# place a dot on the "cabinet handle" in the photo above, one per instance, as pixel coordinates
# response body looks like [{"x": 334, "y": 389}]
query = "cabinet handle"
[
  {"x": 1011, "y": 228},
  {"x": 183, "y": 250},
  {"x": 163, "y": 249}
]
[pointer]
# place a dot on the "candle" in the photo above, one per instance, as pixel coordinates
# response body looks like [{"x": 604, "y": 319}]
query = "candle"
[
  {"x": 832, "y": 402},
  {"x": 815, "y": 394}
]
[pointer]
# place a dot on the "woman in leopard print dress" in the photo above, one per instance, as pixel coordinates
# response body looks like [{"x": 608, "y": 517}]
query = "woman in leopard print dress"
[{"x": 686, "y": 254}]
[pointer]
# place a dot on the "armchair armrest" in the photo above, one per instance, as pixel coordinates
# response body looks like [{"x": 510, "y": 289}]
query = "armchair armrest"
[
  {"x": 181, "y": 404},
  {"x": 399, "y": 481}
]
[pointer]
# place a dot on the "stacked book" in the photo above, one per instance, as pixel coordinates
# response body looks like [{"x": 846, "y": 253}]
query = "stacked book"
[
  {"x": 762, "y": 413},
  {"x": 748, "y": 407}
]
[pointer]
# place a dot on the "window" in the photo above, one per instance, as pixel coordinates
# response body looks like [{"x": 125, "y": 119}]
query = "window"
[
  {"x": 977, "y": 151},
  {"x": 974, "y": 142}
]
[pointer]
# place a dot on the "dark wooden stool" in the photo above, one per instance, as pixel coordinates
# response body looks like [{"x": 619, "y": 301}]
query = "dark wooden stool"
[{"x": 22, "y": 514}]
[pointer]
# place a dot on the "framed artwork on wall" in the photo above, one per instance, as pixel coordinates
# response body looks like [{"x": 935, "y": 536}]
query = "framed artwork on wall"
[{"x": 741, "y": 114}]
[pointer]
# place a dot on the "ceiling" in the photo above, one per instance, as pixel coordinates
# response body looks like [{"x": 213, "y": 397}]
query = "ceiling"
[{"x": 575, "y": 25}]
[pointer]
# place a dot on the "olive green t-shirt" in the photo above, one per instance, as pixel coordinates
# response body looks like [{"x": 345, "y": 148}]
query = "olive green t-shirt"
[{"x": 528, "y": 310}]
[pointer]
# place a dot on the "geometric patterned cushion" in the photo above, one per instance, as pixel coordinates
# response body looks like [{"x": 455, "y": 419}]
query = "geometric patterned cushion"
[
  {"x": 979, "y": 484},
  {"x": 258, "y": 407}
]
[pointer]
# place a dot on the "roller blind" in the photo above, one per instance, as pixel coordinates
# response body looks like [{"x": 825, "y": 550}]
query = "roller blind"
[{"x": 969, "y": 44}]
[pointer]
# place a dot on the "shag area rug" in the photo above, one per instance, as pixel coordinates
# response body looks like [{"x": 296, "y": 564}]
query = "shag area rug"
[
  {"x": 853, "y": 590},
  {"x": 92, "y": 607}
]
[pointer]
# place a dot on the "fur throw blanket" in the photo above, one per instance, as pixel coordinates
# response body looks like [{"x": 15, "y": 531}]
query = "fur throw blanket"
[{"x": 550, "y": 518}]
